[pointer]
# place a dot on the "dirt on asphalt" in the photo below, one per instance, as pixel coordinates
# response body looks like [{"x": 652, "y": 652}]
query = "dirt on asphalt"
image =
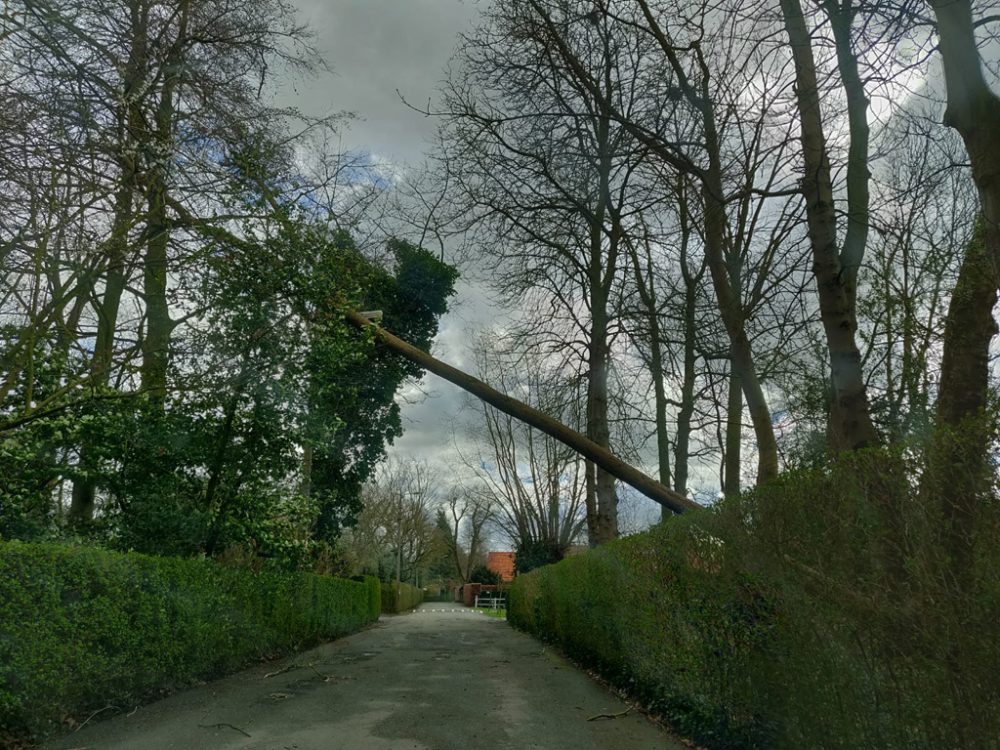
[{"x": 440, "y": 678}]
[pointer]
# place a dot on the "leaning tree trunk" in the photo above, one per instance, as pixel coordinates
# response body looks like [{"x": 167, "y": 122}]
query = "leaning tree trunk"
[{"x": 583, "y": 445}]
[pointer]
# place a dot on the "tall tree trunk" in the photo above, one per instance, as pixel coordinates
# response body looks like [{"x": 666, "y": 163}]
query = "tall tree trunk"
[
  {"x": 590, "y": 501},
  {"x": 647, "y": 295},
  {"x": 601, "y": 273},
  {"x": 685, "y": 414},
  {"x": 82, "y": 502},
  {"x": 156, "y": 341},
  {"x": 959, "y": 468},
  {"x": 700, "y": 97},
  {"x": 660, "y": 406},
  {"x": 733, "y": 451},
  {"x": 129, "y": 119},
  {"x": 159, "y": 326},
  {"x": 740, "y": 350},
  {"x": 850, "y": 426},
  {"x": 597, "y": 420},
  {"x": 734, "y": 437}
]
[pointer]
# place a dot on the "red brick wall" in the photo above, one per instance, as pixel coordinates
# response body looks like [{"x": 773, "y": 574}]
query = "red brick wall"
[{"x": 501, "y": 563}]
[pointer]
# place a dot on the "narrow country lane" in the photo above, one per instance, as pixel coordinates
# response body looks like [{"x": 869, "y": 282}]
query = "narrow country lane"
[{"x": 439, "y": 678}]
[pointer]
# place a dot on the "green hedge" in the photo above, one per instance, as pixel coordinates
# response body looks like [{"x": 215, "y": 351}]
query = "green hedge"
[
  {"x": 409, "y": 597},
  {"x": 82, "y": 628},
  {"x": 795, "y": 616}
]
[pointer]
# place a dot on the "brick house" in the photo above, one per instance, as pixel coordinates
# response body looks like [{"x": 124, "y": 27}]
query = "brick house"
[{"x": 501, "y": 563}]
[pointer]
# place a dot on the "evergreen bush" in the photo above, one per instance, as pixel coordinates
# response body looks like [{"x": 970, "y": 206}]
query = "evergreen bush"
[
  {"x": 409, "y": 597},
  {"x": 819, "y": 611},
  {"x": 82, "y": 628}
]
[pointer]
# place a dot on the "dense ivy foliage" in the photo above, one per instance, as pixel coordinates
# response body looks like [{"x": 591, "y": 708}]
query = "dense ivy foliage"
[
  {"x": 796, "y": 616},
  {"x": 82, "y": 628}
]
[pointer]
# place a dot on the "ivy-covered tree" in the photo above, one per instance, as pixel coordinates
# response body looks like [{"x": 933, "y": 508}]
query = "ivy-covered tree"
[{"x": 357, "y": 412}]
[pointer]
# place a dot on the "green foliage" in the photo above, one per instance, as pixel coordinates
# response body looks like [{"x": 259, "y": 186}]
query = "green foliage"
[
  {"x": 408, "y": 598},
  {"x": 366, "y": 409},
  {"x": 373, "y": 587},
  {"x": 81, "y": 628},
  {"x": 273, "y": 371},
  {"x": 482, "y": 574},
  {"x": 532, "y": 553},
  {"x": 802, "y": 614}
]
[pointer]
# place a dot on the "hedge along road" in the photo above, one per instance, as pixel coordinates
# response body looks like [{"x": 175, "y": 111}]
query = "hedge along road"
[{"x": 439, "y": 678}]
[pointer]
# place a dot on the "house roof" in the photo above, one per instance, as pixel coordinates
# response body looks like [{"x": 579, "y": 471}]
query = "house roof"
[{"x": 501, "y": 563}]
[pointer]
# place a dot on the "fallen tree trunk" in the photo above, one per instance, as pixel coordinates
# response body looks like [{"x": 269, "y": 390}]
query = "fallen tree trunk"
[{"x": 584, "y": 446}]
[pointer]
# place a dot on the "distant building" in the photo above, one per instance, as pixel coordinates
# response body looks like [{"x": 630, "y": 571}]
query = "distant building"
[{"x": 501, "y": 563}]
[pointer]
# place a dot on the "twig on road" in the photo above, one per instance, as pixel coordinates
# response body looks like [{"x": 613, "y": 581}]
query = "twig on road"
[
  {"x": 98, "y": 711},
  {"x": 618, "y": 715},
  {"x": 223, "y": 725},
  {"x": 290, "y": 667}
]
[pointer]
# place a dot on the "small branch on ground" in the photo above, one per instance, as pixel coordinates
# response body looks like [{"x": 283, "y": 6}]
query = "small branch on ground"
[
  {"x": 618, "y": 715},
  {"x": 290, "y": 667},
  {"x": 98, "y": 711},
  {"x": 223, "y": 725}
]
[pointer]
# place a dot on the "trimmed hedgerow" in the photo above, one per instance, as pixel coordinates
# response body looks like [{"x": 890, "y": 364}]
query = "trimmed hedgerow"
[
  {"x": 373, "y": 589},
  {"x": 795, "y": 616},
  {"x": 82, "y": 628},
  {"x": 409, "y": 597}
]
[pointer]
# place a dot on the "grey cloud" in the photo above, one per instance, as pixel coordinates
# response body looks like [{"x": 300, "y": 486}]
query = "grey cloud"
[{"x": 377, "y": 47}]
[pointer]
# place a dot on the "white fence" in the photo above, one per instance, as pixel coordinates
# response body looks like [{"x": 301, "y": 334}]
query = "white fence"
[{"x": 491, "y": 600}]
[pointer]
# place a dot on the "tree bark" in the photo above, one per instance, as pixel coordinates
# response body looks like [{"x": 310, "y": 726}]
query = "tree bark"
[
  {"x": 597, "y": 400},
  {"x": 129, "y": 119},
  {"x": 159, "y": 326},
  {"x": 959, "y": 469},
  {"x": 734, "y": 437},
  {"x": 590, "y": 502},
  {"x": 850, "y": 426},
  {"x": 740, "y": 350},
  {"x": 586, "y": 447},
  {"x": 81, "y": 508},
  {"x": 647, "y": 295},
  {"x": 685, "y": 414}
]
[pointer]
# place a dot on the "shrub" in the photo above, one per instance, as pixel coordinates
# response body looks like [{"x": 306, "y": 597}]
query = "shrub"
[
  {"x": 818, "y": 611},
  {"x": 81, "y": 628},
  {"x": 409, "y": 597},
  {"x": 373, "y": 594}
]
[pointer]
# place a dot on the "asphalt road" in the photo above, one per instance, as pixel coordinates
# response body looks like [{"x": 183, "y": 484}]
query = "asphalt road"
[{"x": 440, "y": 678}]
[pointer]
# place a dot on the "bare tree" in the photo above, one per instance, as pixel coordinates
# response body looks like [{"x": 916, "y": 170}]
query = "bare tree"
[
  {"x": 397, "y": 521},
  {"x": 535, "y": 486},
  {"x": 466, "y": 515}
]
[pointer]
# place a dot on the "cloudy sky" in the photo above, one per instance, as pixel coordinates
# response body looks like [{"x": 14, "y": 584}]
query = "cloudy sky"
[
  {"x": 376, "y": 48},
  {"x": 379, "y": 50}
]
